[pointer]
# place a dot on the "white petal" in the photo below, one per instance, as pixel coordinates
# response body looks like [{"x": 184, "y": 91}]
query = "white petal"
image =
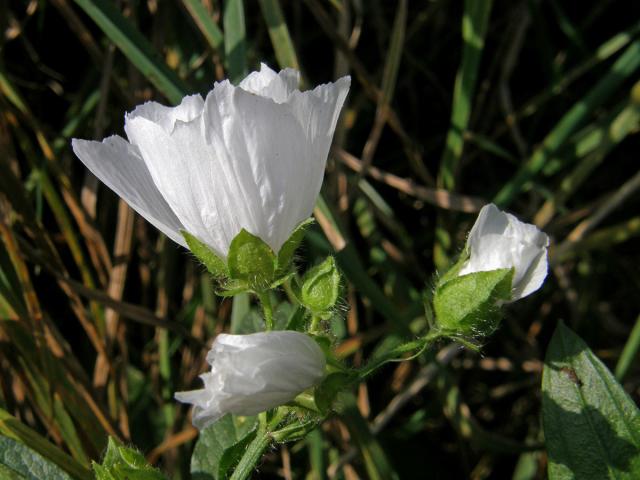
[
  {"x": 120, "y": 167},
  {"x": 166, "y": 117},
  {"x": 253, "y": 373},
  {"x": 500, "y": 240},
  {"x": 184, "y": 168},
  {"x": 269, "y": 84},
  {"x": 274, "y": 154},
  {"x": 534, "y": 277}
]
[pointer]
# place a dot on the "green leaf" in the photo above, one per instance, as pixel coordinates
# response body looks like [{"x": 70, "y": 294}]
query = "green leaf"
[
  {"x": 321, "y": 287},
  {"x": 214, "y": 441},
  {"x": 288, "y": 249},
  {"x": 468, "y": 305},
  {"x": 16, "y": 430},
  {"x": 19, "y": 461},
  {"x": 251, "y": 260},
  {"x": 592, "y": 427},
  {"x": 208, "y": 257}
]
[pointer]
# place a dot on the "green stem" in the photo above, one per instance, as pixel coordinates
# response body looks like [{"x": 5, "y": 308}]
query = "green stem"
[
  {"x": 253, "y": 452},
  {"x": 315, "y": 323},
  {"x": 394, "y": 355},
  {"x": 267, "y": 309}
]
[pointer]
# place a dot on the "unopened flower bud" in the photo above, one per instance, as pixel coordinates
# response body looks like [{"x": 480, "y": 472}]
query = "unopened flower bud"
[{"x": 253, "y": 373}]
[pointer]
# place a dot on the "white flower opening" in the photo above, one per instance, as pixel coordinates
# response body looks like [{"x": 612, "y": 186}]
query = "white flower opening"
[
  {"x": 253, "y": 373},
  {"x": 251, "y": 156},
  {"x": 499, "y": 240}
]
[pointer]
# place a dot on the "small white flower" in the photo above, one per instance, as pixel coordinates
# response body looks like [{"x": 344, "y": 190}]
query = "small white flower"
[
  {"x": 251, "y": 156},
  {"x": 253, "y": 373},
  {"x": 499, "y": 240}
]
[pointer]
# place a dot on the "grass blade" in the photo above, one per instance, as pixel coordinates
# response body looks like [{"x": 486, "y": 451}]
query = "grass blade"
[
  {"x": 205, "y": 23},
  {"x": 135, "y": 47},
  {"x": 474, "y": 28},
  {"x": 279, "y": 34},
  {"x": 624, "y": 67},
  {"x": 235, "y": 40}
]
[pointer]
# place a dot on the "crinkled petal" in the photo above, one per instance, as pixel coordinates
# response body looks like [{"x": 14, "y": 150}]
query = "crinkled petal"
[
  {"x": 253, "y": 373},
  {"x": 184, "y": 168},
  {"x": 499, "y": 240},
  {"x": 119, "y": 166},
  {"x": 272, "y": 156},
  {"x": 166, "y": 117},
  {"x": 269, "y": 84}
]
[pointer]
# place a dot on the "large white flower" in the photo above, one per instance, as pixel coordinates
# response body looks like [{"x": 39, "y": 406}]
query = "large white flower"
[
  {"x": 253, "y": 373},
  {"x": 499, "y": 240},
  {"x": 251, "y": 156}
]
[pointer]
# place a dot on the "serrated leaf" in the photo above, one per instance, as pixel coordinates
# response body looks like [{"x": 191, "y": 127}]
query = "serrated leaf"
[
  {"x": 592, "y": 427},
  {"x": 25, "y": 463},
  {"x": 214, "y": 441},
  {"x": 216, "y": 266},
  {"x": 288, "y": 249},
  {"x": 251, "y": 260},
  {"x": 467, "y": 305}
]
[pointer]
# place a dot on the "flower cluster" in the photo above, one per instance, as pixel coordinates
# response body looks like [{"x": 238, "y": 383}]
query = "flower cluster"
[
  {"x": 234, "y": 177},
  {"x": 247, "y": 158}
]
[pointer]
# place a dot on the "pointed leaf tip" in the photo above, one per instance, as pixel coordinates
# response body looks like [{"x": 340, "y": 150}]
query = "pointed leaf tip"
[{"x": 288, "y": 249}]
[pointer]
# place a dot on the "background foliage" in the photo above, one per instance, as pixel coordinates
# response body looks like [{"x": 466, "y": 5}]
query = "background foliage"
[{"x": 532, "y": 104}]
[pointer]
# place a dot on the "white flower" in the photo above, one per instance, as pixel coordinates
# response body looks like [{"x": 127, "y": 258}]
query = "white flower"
[
  {"x": 500, "y": 240},
  {"x": 251, "y": 156},
  {"x": 253, "y": 373}
]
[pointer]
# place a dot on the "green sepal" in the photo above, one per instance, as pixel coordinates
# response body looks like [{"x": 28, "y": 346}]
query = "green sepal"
[
  {"x": 326, "y": 393},
  {"x": 455, "y": 268},
  {"x": 288, "y": 249},
  {"x": 252, "y": 261},
  {"x": 320, "y": 288},
  {"x": 216, "y": 266},
  {"x": 469, "y": 305},
  {"x": 101, "y": 472},
  {"x": 232, "y": 288}
]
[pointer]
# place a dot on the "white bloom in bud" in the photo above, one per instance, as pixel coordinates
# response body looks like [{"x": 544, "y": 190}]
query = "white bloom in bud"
[
  {"x": 251, "y": 156},
  {"x": 253, "y": 373},
  {"x": 499, "y": 240}
]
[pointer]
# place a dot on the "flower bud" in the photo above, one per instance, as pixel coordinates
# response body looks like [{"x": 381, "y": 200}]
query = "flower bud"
[
  {"x": 253, "y": 373},
  {"x": 499, "y": 240},
  {"x": 321, "y": 287},
  {"x": 504, "y": 260}
]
